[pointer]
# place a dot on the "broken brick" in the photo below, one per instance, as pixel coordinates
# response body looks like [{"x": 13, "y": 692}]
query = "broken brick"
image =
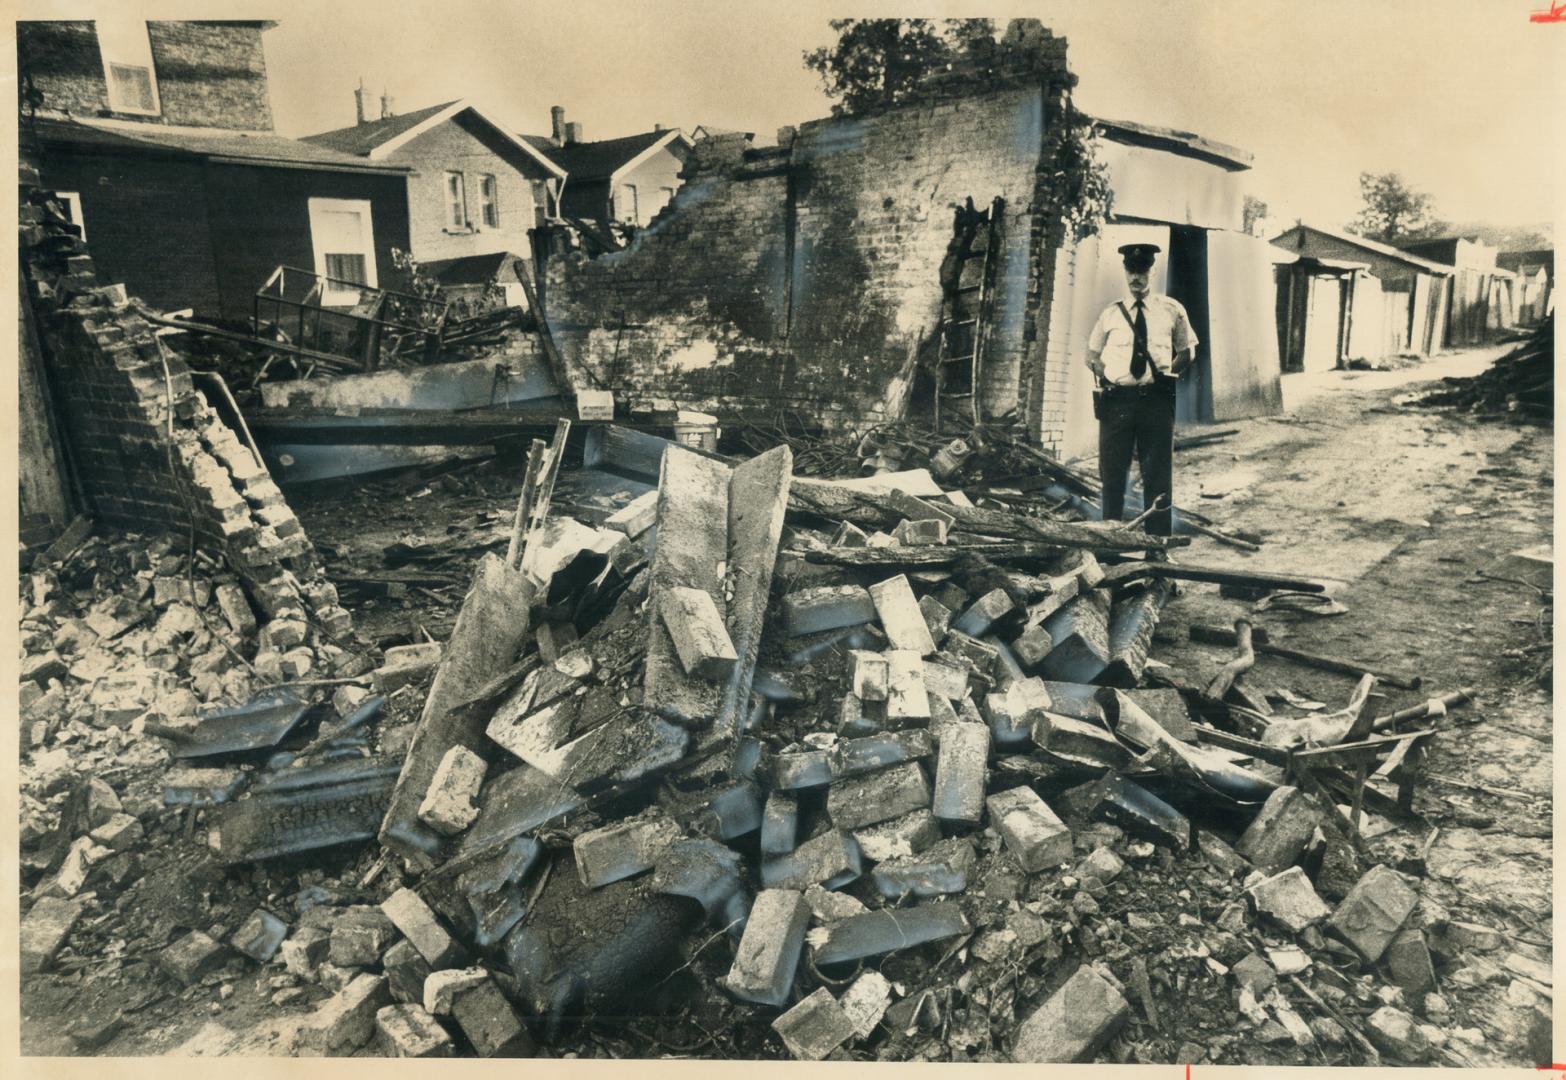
[
  {"x": 1032, "y": 832},
  {"x": 696, "y": 628},
  {"x": 900, "y": 616},
  {"x": 831, "y": 859},
  {"x": 939, "y": 870},
  {"x": 191, "y": 957},
  {"x": 360, "y": 935},
  {"x": 260, "y": 936},
  {"x": 867, "y": 800},
  {"x": 1289, "y": 900},
  {"x": 827, "y": 607},
  {"x": 44, "y": 929},
  {"x": 815, "y": 1027},
  {"x": 617, "y": 851},
  {"x": 407, "y": 1031},
  {"x": 448, "y": 805},
  {"x": 960, "y": 773},
  {"x": 345, "y": 1021},
  {"x": 1373, "y": 911},
  {"x": 1075, "y": 1023},
  {"x": 1281, "y": 829},
  {"x": 418, "y": 923},
  {"x": 490, "y": 1022},
  {"x": 906, "y": 835},
  {"x": 768, "y": 953},
  {"x": 984, "y": 613}
]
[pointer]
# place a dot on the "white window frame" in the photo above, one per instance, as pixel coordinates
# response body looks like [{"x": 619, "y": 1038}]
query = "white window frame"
[
  {"x": 457, "y": 201},
  {"x": 72, "y": 201},
  {"x": 489, "y": 201},
  {"x": 329, "y": 294},
  {"x": 126, "y": 42},
  {"x": 635, "y": 216}
]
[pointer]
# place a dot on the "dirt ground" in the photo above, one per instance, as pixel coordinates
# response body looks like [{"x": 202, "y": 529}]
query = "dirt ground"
[{"x": 1402, "y": 507}]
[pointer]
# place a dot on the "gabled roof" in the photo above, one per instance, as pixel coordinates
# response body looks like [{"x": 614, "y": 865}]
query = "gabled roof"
[
  {"x": 376, "y": 139},
  {"x": 1365, "y": 244},
  {"x": 607, "y": 158},
  {"x": 1185, "y": 143},
  {"x": 243, "y": 147}
]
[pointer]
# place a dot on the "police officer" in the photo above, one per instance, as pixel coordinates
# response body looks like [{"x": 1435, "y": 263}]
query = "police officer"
[{"x": 1138, "y": 350}]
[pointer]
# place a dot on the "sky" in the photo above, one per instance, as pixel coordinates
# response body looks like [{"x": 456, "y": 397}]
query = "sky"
[{"x": 1463, "y": 97}]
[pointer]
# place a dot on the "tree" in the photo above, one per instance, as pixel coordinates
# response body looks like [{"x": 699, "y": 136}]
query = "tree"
[
  {"x": 1393, "y": 211},
  {"x": 879, "y": 62}
]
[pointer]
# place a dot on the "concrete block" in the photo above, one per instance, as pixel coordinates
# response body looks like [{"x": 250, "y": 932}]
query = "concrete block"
[
  {"x": 449, "y": 805},
  {"x": 406, "y": 664},
  {"x": 768, "y": 953},
  {"x": 407, "y": 1031},
  {"x": 615, "y": 852},
  {"x": 44, "y": 929},
  {"x": 1408, "y": 961},
  {"x": 984, "y": 613},
  {"x": 849, "y": 535},
  {"x": 636, "y": 517},
  {"x": 961, "y": 771},
  {"x": 1032, "y": 832},
  {"x": 305, "y": 950},
  {"x": 1289, "y": 900},
  {"x": 442, "y": 987},
  {"x": 260, "y": 936},
  {"x": 941, "y": 869},
  {"x": 900, "y": 615},
  {"x": 346, "y": 1020},
  {"x": 696, "y": 627},
  {"x": 1397, "y": 1034},
  {"x": 419, "y": 924},
  {"x": 826, "y": 607},
  {"x": 928, "y": 531},
  {"x": 779, "y": 824},
  {"x": 871, "y": 753},
  {"x": 869, "y": 675},
  {"x": 406, "y": 972},
  {"x": 831, "y": 859},
  {"x": 1373, "y": 912},
  {"x": 796, "y": 770},
  {"x": 866, "y": 1001},
  {"x": 490, "y": 1023},
  {"x": 868, "y": 800},
  {"x": 907, "y": 701},
  {"x": 1280, "y": 830},
  {"x": 1032, "y": 646},
  {"x": 945, "y": 680},
  {"x": 191, "y": 957},
  {"x": 360, "y": 935},
  {"x": 1012, "y": 712},
  {"x": 815, "y": 1027},
  {"x": 1075, "y": 1023},
  {"x": 937, "y": 617}
]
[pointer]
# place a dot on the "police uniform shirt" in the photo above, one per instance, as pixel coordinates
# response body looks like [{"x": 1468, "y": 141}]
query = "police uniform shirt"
[{"x": 1169, "y": 333}]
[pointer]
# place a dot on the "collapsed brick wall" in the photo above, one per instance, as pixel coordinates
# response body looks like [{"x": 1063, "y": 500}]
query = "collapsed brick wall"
[
  {"x": 805, "y": 278},
  {"x": 209, "y": 74},
  {"x": 149, "y": 450}
]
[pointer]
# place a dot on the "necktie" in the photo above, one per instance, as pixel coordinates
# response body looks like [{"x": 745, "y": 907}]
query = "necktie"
[{"x": 1139, "y": 354}]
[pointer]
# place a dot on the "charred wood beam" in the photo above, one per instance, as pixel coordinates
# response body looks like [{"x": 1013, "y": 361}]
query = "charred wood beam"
[{"x": 1132, "y": 570}]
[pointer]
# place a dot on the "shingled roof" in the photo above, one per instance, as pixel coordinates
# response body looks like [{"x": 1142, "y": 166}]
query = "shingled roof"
[
  {"x": 361, "y": 139},
  {"x": 600, "y": 160},
  {"x": 249, "y": 147}
]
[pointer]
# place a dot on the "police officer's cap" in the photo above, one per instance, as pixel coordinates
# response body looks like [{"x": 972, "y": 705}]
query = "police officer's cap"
[{"x": 1138, "y": 256}]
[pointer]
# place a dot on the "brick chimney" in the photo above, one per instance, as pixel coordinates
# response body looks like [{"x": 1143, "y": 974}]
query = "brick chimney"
[
  {"x": 358, "y": 100},
  {"x": 557, "y": 119},
  {"x": 386, "y": 105},
  {"x": 573, "y": 133},
  {"x": 659, "y": 127}
]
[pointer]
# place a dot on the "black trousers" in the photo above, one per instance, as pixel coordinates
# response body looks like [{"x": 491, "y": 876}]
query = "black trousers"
[{"x": 1141, "y": 422}]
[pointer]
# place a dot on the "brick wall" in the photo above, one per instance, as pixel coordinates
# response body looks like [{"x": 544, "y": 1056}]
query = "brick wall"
[
  {"x": 209, "y": 74},
  {"x": 805, "y": 278},
  {"x": 149, "y": 450}
]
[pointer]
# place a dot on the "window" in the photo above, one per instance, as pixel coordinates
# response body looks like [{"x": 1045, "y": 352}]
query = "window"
[
  {"x": 127, "y": 66},
  {"x": 343, "y": 237},
  {"x": 72, "y": 203},
  {"x": 490, "y": 211},
  {"x": 628, "y": 204},
  {"x": 456, "y": 202}
]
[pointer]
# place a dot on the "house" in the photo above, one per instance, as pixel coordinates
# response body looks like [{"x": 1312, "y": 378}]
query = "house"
[
  {"x": 158, "y": 136},
  {"x": 806, "y": 282},
  {"x": 1535, "y": 272},
  {"x": 1315, "y": 301},
  {"x": 1396, "y": 303},
  {"x": 474, "y": 188},
  {"x": 1482, "y": 302},
  {"x": 624, "y": 181}
]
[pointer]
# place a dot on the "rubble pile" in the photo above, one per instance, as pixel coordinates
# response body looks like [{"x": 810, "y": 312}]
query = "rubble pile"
[
  {"x": 780, "y": 766},
  {"x": 1520, "y": 385}
]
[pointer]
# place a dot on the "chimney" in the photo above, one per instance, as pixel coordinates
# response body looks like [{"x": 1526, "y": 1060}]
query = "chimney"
[
  {"x": 573, "y": 132},
  {"x": 358, "y": 100},
  {"x": 659, "y": 127},
  {"x": 557, "y": 118},
  {"x": 386, "y": 105}
]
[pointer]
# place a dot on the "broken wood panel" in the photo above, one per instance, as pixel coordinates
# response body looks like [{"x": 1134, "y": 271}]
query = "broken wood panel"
[
  {"x": 1131, "y": 570},
  {"x": 758, "y": 503},
  {"x": 693, "y": 548},
  {"x": 485, "y": 640}
]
